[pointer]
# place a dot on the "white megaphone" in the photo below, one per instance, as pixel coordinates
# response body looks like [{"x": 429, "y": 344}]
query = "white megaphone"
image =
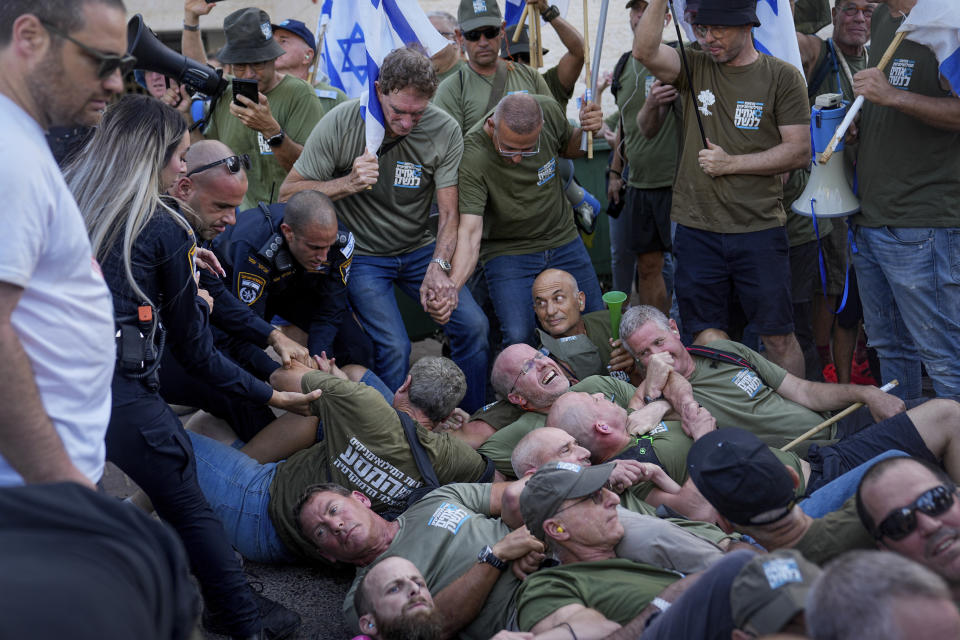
[{"x": 827, "y": 194}]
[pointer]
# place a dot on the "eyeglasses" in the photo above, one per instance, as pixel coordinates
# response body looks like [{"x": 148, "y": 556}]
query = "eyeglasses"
[
  {"x": 233, "y": 164},
  {"x": 109, "y": 62},
  {"x": 514, "y": 154},
  {"x": 596, "y": 496},
  {"x": 239, "y": 67},
  {"x": 526, "y": 369},
  {"x": 449, "y": 35},
  {"x": 701, "y": 30},
  {"x": 852, "y": 10},
  {"x": 487, "y": 32},
  {"x": 903, "y": 521}
]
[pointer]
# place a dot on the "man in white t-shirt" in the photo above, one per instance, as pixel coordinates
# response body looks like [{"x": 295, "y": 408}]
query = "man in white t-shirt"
[{"x": 60, "y": 63}]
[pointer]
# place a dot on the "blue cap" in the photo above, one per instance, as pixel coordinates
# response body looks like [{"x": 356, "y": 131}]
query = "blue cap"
[{"x": 297, "y": 27}]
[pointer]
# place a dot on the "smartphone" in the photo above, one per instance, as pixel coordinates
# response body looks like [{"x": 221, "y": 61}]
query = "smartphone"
[{"x": 246, "y": 88}]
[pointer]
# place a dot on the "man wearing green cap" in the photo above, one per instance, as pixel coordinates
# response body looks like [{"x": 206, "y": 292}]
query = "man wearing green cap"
[
  {"x": 271, "y": 131},
  {"x": 477, "y": 88}
]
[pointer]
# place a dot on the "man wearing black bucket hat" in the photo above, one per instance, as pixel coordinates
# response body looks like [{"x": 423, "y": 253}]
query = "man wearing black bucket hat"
[
  {"x": 727, "y": 195},
  {"x": 272, "y": 130}
]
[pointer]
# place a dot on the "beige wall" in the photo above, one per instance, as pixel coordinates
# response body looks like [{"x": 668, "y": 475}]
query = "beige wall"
[{"x": 167, "y": 15}]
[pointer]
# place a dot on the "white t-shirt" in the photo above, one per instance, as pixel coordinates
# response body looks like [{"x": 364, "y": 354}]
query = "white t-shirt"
[{"x": 64, "y": 318}]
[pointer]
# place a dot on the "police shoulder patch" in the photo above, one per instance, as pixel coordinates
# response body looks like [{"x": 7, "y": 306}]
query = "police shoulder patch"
[{"x": 249, "y": 287}]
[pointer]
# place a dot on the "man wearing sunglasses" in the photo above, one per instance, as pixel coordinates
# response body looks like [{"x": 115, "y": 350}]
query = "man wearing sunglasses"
[
  {"x": 910, "y": 506},
  {"x": 477, "y": 87},
  {"x": 60, "y": 63},
  {"x": 272, "y": 130}
]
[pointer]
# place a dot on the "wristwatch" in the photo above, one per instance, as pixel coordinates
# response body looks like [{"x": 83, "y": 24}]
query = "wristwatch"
[
  {"x": 444, "y": 264},
  {"x": 486, "y": 556},
  {"x": 551, "y": 13},
  {"x": 277, "y": 140}
]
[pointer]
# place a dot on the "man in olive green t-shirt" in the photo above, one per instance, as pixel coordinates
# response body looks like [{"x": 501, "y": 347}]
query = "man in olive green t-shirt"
[
  {"x": 730, "y": 240},
  {"x": 271, "y": 131},
  {"x": 384, "y": 197},
  {"x": 511, "y": 194},
  {"x": 909, "y": 176}
]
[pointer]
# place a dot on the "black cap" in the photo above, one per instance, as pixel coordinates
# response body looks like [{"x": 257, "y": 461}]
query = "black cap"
[
  {"x": 739, "y": 475},
  {"x": 522, "y": 45},
  {"x": 249, "y": 38},
  {"x": 727, "y": 13}
]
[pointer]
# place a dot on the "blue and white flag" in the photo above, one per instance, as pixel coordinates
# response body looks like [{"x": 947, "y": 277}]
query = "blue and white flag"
[
  {"x": 359, "y": 35},
  {"x": 514, "y": 10},
  {"x": 776, "y": 36},
  {"x": 936, "y": 25}
]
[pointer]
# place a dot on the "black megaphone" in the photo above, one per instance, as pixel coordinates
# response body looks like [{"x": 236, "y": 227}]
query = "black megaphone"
[{"x": 153, "y": 55}]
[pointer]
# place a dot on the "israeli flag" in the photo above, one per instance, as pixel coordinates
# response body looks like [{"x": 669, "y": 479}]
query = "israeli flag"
[
  {"x": 514, "y": 10},
  {"x": 358, "y": 36},
  {"x": 776, "y": 36},
  {"x": 936, "y": 25}
]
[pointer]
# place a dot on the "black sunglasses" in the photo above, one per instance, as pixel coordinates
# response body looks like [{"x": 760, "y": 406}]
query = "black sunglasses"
[
  {"x": 109, "y": 62},
  {"x": 233, "y": 164},
  {"x": 487, "y": 32},
  {"x": 903, "y": 521}
]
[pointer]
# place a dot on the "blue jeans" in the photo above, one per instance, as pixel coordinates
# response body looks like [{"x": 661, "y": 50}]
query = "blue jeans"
[
  {"x": 238, "y": 489},
  {"x": 371, "y": 294},
  {"x": 910, "y": 289},
  {"x": 831, "y": 496},
  {"x": 510, "y": 279}
]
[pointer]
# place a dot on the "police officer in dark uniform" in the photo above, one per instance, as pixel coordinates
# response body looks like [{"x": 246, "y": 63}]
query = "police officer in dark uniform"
[
  {"x": 293, "y": 261},
  {"x": 147, "y": 252}
]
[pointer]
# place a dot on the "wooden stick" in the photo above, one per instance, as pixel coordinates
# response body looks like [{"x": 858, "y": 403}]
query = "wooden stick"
[
  {"x": 523, "y": 18},
  {"x": 858, "y": 103},
  {"x": 586, "y": 63},
  {"x": 826, "y": 423},
  {"x": 536, "y": 51},
  {"x": 316, "y": 58}
]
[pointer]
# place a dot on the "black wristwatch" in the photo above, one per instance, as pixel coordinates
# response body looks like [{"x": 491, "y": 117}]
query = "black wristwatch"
[
  {"x": 277, "y": 140},
  {"x": 551, "y": 13},
  {"x": 486, "y": 556}
]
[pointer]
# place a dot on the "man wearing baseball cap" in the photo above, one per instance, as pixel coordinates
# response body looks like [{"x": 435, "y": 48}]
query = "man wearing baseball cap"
[
  {"x": 270, "y": 131},
  {"x": 300, "y": 51},
  {"x": 727, "y": 197}
]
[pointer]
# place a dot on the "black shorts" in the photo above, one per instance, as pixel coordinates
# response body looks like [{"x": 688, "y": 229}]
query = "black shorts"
[
  {"x": 714, "y": 269},
  {"x": 649, "y": 211},
  {"x": 804, "y": 271}
]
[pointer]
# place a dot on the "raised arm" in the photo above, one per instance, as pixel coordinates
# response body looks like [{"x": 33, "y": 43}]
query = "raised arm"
[
  {"x": 662, "y": 61},
  {"x": 191, "y": 44},
  {"x": 571, "y": 63}
]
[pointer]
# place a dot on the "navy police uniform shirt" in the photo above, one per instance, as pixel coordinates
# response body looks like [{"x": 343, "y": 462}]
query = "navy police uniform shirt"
[{"x": 263, "y": 274}]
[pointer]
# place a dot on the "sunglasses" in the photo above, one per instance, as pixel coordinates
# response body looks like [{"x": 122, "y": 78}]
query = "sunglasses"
[
  {"x": 525, "y": 369},
  {"x": 109, "y": 62},
  {"x": 233, "y": 164},
  {"x": 903, "y": 521},
  {"x": 852, "y": 10},
  {"x": 487, "y": 32}
]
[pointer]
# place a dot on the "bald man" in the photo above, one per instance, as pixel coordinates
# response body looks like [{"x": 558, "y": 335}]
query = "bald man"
[{"x": 581, "y": 343}]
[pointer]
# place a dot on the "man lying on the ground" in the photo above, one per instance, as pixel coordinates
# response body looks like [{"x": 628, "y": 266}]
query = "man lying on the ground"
[
  {"x": 910, "y": 506},
  {"x": 394, "y": 603},
  {"x": 365, "y": 446},
  {"x": 580, "y": 343},
  {"x": 742, "y": 388}
]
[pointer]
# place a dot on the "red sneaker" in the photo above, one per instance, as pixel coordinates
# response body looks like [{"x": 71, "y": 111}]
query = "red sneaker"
[
  {"x": 860, "y": 373},
  {"x": 830, "y": 373}
]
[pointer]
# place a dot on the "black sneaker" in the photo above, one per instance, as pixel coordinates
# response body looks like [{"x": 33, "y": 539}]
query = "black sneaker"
[{"x": 278, "y": 621}]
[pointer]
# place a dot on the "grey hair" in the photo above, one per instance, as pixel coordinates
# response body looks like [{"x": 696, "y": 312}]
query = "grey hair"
[
  {"x": 437, "y": 385},
  {"x": 116, "y": 178},
  {"x": 528, "y": 453},
  {"x": 854, "y": 596},
  {"x": 520, "y": 112},
  {"x": 443, "y": 15},
  {"x": 635, "y": 317},
  {"x": 64, "y": 15}
]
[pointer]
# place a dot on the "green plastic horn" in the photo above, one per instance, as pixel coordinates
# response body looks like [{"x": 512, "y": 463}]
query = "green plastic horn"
[{"x": 614, "y": 301}]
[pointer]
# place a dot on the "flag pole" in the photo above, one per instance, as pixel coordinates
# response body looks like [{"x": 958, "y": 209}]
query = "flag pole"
[
  {"x": 686, "y": 68},
  {"x": 316, "y": 56},
  {"x": 523, "y": 18},
  {"x": 588, "y": 98}
]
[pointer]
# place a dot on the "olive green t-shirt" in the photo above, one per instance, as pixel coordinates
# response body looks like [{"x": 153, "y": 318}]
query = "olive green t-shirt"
[
  {"x": 741, "y": 109},
  {"x": 835, "y": 533},
  {"x": 392, "y": 217},
  {"x": 523, "y": 205},
  {"x": 653, "y": 163},
  {"x": 294, "y": 106},
  {"x": 909, "y": 172},
  {"x": 364, "y": 449},
  {"x": 498, "y": 414},
  {"x": 586, "y": 355},
  {"x": 460, "y": 64},
  {"x": 329, "y": 96},
  {"x": 499, "y": 447},
  {"x": 738, "y": 397},
  {"x": 442, "y": 535},
  {"x": 619, "y": 589},
  {"x": 465, "y": 95},
  {"x": 560, "y": 93}
]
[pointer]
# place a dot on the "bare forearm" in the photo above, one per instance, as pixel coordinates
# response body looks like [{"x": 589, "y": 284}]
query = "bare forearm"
[
  {"x": 287, "y": 153},
  {"x": 942, "y": 113},
  {"x": 461, "y": 600},
  {"x": 784, "y": 157},
  {"x": 336, "y": 189},
  {"x": 191, "y": 43},
  {"x": 468, "y": 250},
  {"x": 650, "y": 118}
]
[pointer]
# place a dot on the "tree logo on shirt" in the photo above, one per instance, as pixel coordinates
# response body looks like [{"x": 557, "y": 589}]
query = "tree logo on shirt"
[
  {"x": 707, "y": 100},
  {"x": 407, "y": 175},
  {"x": 901, "y": 71},
  {"x": 250, "y": 287},
  {"x": 748, "y": 115}
]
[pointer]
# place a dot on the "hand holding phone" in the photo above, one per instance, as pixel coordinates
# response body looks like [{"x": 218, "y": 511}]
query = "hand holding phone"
[{"x": 247, "y": 88}]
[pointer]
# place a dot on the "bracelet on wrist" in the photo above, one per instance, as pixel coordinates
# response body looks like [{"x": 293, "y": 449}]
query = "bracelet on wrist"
[
  {"x": 614, "y": 172},
  {"x": 191, "y": 27}
]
